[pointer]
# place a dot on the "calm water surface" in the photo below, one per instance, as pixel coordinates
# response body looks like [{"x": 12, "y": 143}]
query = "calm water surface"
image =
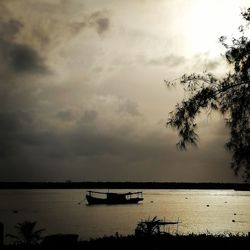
[{"x": 59, "y": 211}]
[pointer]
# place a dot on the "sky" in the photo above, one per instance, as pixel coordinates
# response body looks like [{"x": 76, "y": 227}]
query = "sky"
[{"x": 82, "y": 93}]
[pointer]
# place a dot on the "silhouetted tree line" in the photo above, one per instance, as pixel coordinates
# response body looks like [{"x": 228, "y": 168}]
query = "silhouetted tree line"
[{"x": 122, "y": 185}]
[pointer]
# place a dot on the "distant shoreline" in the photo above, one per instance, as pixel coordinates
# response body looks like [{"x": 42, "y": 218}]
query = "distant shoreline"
[{"x": 123, "y": 185}]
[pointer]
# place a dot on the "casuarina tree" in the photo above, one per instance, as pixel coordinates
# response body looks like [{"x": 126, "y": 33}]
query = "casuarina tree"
[{"x": 230, "y": 95}]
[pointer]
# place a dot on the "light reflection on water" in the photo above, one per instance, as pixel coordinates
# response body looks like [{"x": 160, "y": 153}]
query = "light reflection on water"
[{"x": 60, "y": 211}]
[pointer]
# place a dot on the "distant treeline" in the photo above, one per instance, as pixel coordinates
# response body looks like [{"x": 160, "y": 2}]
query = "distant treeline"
[{"x": 123, "y": 185}]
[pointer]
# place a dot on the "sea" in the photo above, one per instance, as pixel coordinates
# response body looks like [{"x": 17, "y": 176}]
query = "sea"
[{"x": 65, "y": 211}]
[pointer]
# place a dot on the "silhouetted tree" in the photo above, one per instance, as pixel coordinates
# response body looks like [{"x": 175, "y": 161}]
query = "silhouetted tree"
[
  {"x": 148, "y": 228},
  {"x": 26, "y": 233},
  {"x": 229, "y": 95}
]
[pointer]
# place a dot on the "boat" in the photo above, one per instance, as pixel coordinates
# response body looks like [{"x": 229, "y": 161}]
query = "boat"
[{"x": 94, "y": 197}]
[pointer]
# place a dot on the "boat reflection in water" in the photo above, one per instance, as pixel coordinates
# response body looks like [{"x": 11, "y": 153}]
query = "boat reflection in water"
[{"x": 94, "y": 197}]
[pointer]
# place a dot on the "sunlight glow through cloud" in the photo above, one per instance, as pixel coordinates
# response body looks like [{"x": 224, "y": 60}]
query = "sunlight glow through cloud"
[{"x": 206, "y": 21}]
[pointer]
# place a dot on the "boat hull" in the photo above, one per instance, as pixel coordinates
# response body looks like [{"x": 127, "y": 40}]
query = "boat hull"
[{"x": 94, "y": 200}]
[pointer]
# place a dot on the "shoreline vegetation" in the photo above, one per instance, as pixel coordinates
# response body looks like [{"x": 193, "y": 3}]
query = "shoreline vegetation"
[
  {"x": 123, "y": 185},
  {"x": 159, "y": 241},
  {"x": 148, "y": 234}
]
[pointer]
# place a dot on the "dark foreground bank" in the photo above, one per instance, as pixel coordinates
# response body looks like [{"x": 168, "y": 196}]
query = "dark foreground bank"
[{"x": 166, "y": 241}]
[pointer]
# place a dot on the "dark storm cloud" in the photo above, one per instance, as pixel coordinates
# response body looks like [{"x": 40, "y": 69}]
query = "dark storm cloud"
[
  {"x": 84, "y": 141},
  {"x": 100, "y": 21},
  {"x": 12, "y": 128},
  {"x": 20, "y": 135},
  {"x": 18, "y": 58},
  {"x": 14, "y": 121},
  {"x": 23, "y": 59},
  {"x": 8, "y": 122},
  {"x": 101, "y": 155}
]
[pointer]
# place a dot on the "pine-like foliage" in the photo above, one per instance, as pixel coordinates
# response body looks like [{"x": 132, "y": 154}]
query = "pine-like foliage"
[{"x": 229, "y": 95}]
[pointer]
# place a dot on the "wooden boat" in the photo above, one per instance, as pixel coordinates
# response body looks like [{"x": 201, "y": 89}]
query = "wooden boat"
[{"x": 94, "y": 197}]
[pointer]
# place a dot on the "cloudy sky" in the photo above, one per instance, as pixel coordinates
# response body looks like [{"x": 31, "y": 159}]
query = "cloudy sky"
[{"x": 82, "y": 94}]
